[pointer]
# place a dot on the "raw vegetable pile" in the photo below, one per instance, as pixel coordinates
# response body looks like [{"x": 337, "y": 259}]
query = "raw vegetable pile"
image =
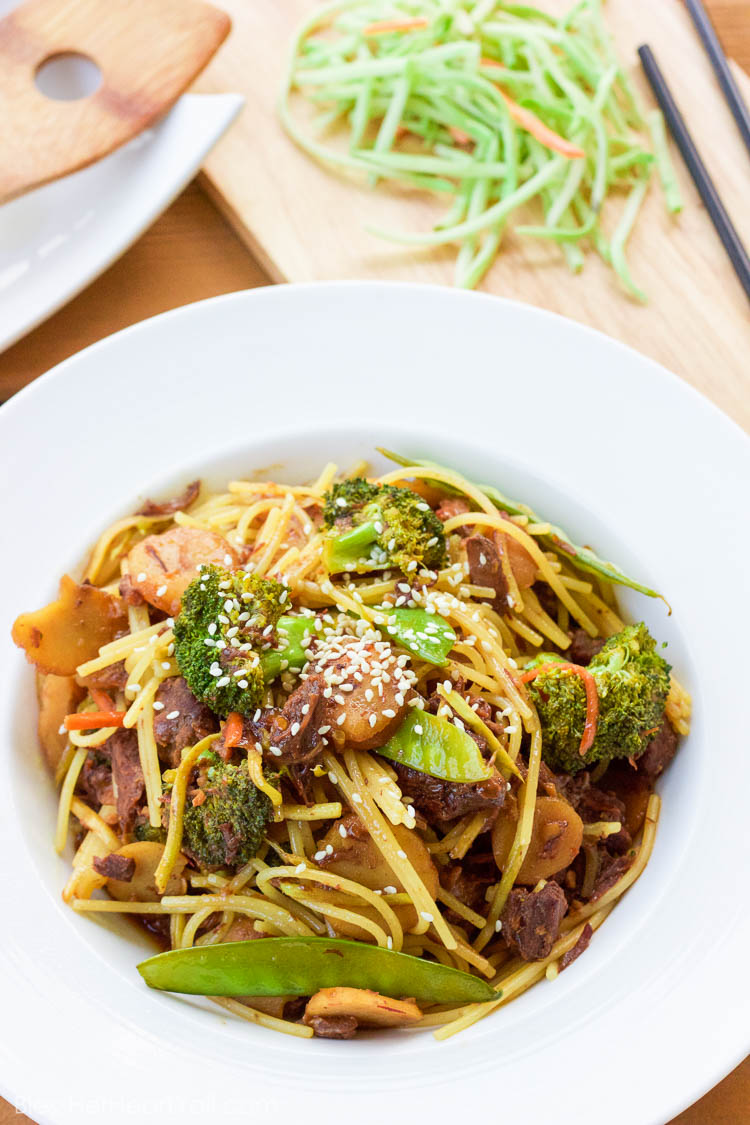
[{"x": 494, "y": 106}]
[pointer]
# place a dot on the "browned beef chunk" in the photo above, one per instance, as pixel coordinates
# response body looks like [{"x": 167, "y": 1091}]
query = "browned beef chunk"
[
  {"x": 547, "y": 598},
  {"x": 583, "y": 648},
  {"x": 593, "y": 804},
  {"x": 115, "y": 867},
  {"x": 95, "y": 779},
  {"x": 659, "y": 752},
  {"x": 531, "y": 920},
  {"x": 451, "y": 506},
  {"x": 446, "y": 800},
  {"x": 106, "y": 679},
  {"x": 232, "y": 842},
  {"x": 468, "y": 887},
  {"x": 129, "y": 593},
  {"x": 181, "y": 721},
  {"x": 176, "y": 504},
  {"x": 292, "y": 732},
  {"x": 580, "y": 947},
  {"x": 334, "y": 1027},
  {"x": 127, "y": 775},
  {"x": 485, "y": 569},
  {"x": 611, "y": 870}
]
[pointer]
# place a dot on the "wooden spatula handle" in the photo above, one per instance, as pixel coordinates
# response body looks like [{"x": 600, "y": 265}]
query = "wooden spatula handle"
[{"x": 148, "y": 51}]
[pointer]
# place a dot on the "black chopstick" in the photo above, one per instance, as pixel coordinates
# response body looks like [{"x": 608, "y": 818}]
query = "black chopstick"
[
  {"x": 717, "y": 211},
  {"x": 720, "y": 63}
]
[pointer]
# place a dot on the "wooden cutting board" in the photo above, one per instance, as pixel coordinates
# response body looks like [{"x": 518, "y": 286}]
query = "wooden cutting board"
[{"x": 306, "y": 223}]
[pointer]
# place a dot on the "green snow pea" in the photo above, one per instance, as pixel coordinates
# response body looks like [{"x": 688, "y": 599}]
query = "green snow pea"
[
  {"x": 426, "y": 635},
  {"x": 432, "y": 744},
  {"x": 294, "y": 633},
  {"x": 299, "y": 966}
]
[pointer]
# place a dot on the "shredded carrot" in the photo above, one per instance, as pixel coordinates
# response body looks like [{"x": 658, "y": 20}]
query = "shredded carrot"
[
  {"x": 94, "y": 720},
  {"x": 536, "y": 127},
  {"x": 232, "y": 729},
  {"x": 101, "y": 699},
  {"x": 592, "y": 697},
  {"x": 459, "y": 136},
  {"x": 198, "y": 799},
  {"x": 395, "y": 25}
]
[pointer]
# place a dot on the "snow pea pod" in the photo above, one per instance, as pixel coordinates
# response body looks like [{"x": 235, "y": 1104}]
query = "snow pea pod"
[
  {"x": 295, "y": 632},
  {"x": 426, "y": 635},
  {"x": 433, "y": 745},
  {"x": 298, "y": 966}
]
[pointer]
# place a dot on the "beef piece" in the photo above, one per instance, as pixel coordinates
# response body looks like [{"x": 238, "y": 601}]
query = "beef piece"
[
  {"x": 301, "y": 780},
  {"x": 593, "y": 804},
  {"x": 115, "y": 867},
  {"x": 127, "y": 775},
  {"x": 176, "y": 504},
  {"x": 446, "y": 800},
  {"x": 451, "y": 506},
  {"x": 95, "y": 779},
  {"x": 611, "y": 870},
  {"x": 333, "y": 1027},
  {"x": 659, "y": 752},
  {"x": 583, "y": 648},
  {"x": 294, "y": 1009},
  {"x": 547, "y": 598},
  {"x": 192, "y": 721},
  {"x": 531, "y": 920},
  {"x": 485, "y": 569},
  {"x": 468, "y": 887},
  {"x": 106, "y": 679},
  {"x": 302, "y": 714},
  {"x": 580, "y": 947},
  {"x": 129, "y": 593}
]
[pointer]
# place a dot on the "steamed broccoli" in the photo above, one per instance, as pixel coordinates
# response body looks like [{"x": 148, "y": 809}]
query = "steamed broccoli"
[
  {"x": 228, "y": 828},
  {"x": 227, "y": 618},
  {"x": 374, "y": 526},
  {"x": 632, "y": 682}
]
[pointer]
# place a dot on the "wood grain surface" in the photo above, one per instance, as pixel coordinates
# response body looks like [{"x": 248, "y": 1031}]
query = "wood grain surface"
[
  {"x": 191, "y": 253},
  {"x": 148, "y": 53},
  {"x": 305, "y": 221}
]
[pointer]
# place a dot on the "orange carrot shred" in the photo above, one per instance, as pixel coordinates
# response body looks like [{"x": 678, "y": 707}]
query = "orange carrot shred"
[
  {"x": 592, "y": 697},
  {"x": 93, "y": 720},
  {"x": 395, "y": 25},
  {"x": 232, "y": 729},
  {"x": 535, "y": 126},
  {"x": 198, "y": 799},
  {"x": 101, "y": 699}
]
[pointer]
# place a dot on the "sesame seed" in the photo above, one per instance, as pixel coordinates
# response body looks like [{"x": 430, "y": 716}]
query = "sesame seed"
[
  {"x": 242, "y": 684},
  {"x": 161, "y": 591},
  {"x": 141, "y": 577},
  {"x": 319, "y": 855},
  {"x": 166, "y": 665},
  {"x": 498, "y": 926},
  {"x": 275, "y": 751},
  {"x": 356, "y": 798},
  {"x": 372, "y": 719},
  {"x": 401, "y": 853},
  {"x": 223, "y": 681},
  {"x": 342, "y": 832},
  {"x": 389, "y": 942},
  {"x": 390, "y": 890},
  {"x": 418, "y": 729},
  {"x": 300, "y": 868},
  {"x": 426, "y": 915},
  {"x": 295, "y": 729},
  {"x": 173, "y": 714},
  {"x": 333, "y": 778},
  {"x": 158, "y": 705}
]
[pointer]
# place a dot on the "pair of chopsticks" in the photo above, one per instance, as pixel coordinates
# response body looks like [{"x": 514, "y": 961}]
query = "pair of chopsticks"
[{"x": 733, "y": 244}]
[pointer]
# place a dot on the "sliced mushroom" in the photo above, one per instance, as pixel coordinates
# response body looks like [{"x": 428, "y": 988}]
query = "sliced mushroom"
[
  {"x": 556, "y": 838},
  {"x": 368, "y": 1008},
  {"x": 142, "y": 887},
  {"x": 364, "y": 712},
  {"x": 355, "y": 856},
  {"x": 71, "y": 630},
  {"x": 58, "y": 696},
  {"x": 161, "y": 567}
]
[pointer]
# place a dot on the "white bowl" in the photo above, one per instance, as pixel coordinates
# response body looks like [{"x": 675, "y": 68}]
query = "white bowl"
[{"x": 601, "y": 440}]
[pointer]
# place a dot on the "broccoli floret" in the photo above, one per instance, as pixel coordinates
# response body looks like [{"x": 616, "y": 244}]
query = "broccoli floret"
[
  {"x": 376, "y": 526},
  {"x": 632, "y": 682},
  {"x": 228, "y": 828},
  {"x": 219, "y": 634}
]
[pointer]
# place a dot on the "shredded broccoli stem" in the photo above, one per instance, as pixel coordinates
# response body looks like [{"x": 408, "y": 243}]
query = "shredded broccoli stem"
[{"x": 489, "y": 103}]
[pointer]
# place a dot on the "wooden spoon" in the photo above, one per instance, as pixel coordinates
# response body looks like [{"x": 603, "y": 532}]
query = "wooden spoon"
[{"x": 148, "y": 52}]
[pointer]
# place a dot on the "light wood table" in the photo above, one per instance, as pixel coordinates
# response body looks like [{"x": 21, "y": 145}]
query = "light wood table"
[{"x": 191, "y": 253}]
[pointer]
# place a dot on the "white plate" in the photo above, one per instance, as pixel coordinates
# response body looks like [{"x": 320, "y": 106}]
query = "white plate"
[
  {"x": 57, "y": 239},
  {"x": 611, "y": 446}
]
